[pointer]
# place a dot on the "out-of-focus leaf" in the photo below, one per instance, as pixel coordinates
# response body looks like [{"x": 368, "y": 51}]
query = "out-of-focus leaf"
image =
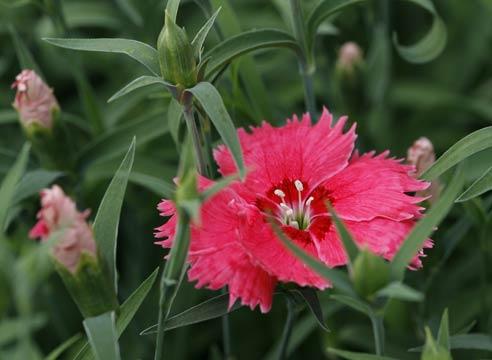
[
  {"x": 246, "y": 42},
  {"x": 350, "y": 355},
  {"x": 9, "y": 184},
  {"x": 26, "y": 60},
  {"x": 211, "y": 101},
  {"x": 219, "y": 185},
  {"x": 115, "y": 142},
  {"x": 8, "y": 117},
  {"x": 60, "y": 349},
  {"x": 155, "y": 184},
  {"x": 431, "y": 45},
  {"x": 143, "y": 53},
  {"x": 400, "y": 291},
  {"x": 310, "y": 296},
  {"x": 413, "y": 243},
  {"x": 108, "y": 215},
  {"x": 101, "y": 332},
  {"x": 138, "y": 83},
  {"x": 469, "y": 145},
  {"x": 33, "y": 182},
  {"x": 354, "y": 303},
  {"x": 443, "y": 334},
  {"x": 348, "y": 241},
  {"x": 127, "y": 7},
  {"x": 201, "y": 35},
  {"x": 480, "y": 186},
  {"x": 11, "y": 328},
  {"x": 210, "y": 309},
  {"x": 471, "y": 342}
]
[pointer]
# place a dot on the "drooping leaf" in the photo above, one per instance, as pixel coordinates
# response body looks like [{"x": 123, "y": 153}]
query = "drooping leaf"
[
  {"x": 201, "y": 35},
  {"x": 469, "y": 145},
  {"x": 139, "y": 83},
  {"x": 350, "y": 355},
  {"x": 244, "y": 43},
  {"x": 32, "y": 182},
  {"x": 311, "y": 298},
  {"x": 413, "y": 243},
  {"x": 9, "y": 184},
  {"x": 101, "y": 332},
  {"x": 108, "y": 215},
  {"x": 431, "y": 45},
  {"x": 211, "y": 101},
  {"x": 480, "y": 186},
  {"x": 400, "y": 291},
  {"x": 143, "y": 53}
]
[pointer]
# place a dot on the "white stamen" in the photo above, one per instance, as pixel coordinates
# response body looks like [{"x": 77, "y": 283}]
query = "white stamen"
[
  {"x": 279, "y": 193},
  {"x": 298, "y": 185},
  {"x": 294, "y": 224},
  {"x": 289, "y": 212},
  {"x": 284, "y": 207},
  {"x": 309, "y": 201}
]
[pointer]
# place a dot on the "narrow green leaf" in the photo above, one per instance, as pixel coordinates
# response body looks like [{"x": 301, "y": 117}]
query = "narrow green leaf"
[
  {"x": 174, "y": 116},
  {"x": 219, "y": 185},
  {"x": 8, "y": 117},
  {"x": 210, "y": 309},
  {"x": 26, "y": 60},
  {"x": 348, "y": 241},
  {"x": 350, "y": 355},
  {"x": 60, "y": 349},
  {"x": 34, "y": 181},
  {"x": 469, "y": 145},
  {"x": 431, "y": 45},
  {"x": 143, "y": 53},
  {"x": 9, "y": 184},
  {"x": 339, "y": 279},
  {"x": 108, "y": 215},
  {"x": 413, "y": 243},
  {"x": 13, "y": 328},
  {"x": 155, "y": 184},
  {"x": 443, "y": 334},
  {"x": 400, "y": 291},
  {"x": 310, "y": 296},
  {"x": 471, "y": 342},
  {"x": 127, "y": 7},
  {"x": 244, "y": 43},
  {"x": 172, "y": 9},
  {"x": 354, "y": 303},
  {"x": 101, "y": 332},
  {"x": 201, "y": 35},
  {"x": 137, "y": 84},
  {"x": 479, "y": 186},
  {"x": 211, "y": 101}
]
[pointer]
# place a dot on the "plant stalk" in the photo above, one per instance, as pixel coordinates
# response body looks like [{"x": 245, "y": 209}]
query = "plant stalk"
[
  {"x": 195, "y": 137},
  {"x": 378, "y": 331},
  {"x": 287, "y": 332}
]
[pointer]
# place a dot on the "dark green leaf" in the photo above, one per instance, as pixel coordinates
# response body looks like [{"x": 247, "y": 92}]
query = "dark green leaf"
[
  {"x": 143, "y": 53},
  {"x": 201, "y": 35},
  {"x": 33, "y": 182},
  {"x": 138, "y": 83},
  {"x": 480, "y": 186},
  {"x": 108, "y": 215},
  {"x": 349, "y": 355},
  {"x": 26, "y": 60},
  {"x": 101, "y": 332},
  {"x": 211, "y": 101},
  {"x": 60, "y": 349},
  {"x": 310, "y": 296}
]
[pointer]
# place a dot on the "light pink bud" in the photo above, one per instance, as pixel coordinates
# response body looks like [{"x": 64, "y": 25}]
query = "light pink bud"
[
  {"x": 421, "y": 155},
  {"x": 59, "y": 214},
  {"x": 34, "y": 100},
  {"x": 349, "y": 56}
]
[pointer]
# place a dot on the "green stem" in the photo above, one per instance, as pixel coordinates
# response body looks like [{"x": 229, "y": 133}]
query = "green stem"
[
  {"x": 378, "y": 331},
  {"x": 309, "y": 96},
  {"x": 195, "y": 138},
  {"x": 289, "y": 323}
]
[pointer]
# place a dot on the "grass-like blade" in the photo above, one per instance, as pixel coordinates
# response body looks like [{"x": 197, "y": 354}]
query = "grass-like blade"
[
  {"x": 143, "y": 53},
  {"x": 472, "y": 143},
  {"x": 413, "y": 243},
  {"x": 201, "y": 35},
  {"x": 443, "y": 334},
  {"x": 26, "y": 60},
  {"x": 479, "y": 186},
  {"x": 211, "y": 101},
  {"x": 350, "y": 355},
  {"x": 101, "y": 332},
  {"x": 137, "y": 84},
  {"x": 34, "y": 181},
  {"x": 108, "y": 215}
]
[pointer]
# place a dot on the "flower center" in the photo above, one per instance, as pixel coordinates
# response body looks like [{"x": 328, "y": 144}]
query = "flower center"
[{"x": 292, "y": 213}]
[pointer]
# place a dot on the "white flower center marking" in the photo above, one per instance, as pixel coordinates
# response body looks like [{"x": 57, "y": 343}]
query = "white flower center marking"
[{"x": 297, "y": 215}]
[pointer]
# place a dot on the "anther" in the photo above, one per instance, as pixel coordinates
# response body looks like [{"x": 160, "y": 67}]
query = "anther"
[
  {"x": 309, "y": 201},
  {"x": 298, "y": 185},
  {"x": 279, "y": 193}
]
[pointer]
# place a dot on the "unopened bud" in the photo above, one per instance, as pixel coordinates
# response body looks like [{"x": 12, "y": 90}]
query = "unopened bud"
[
  {"x": 176, "y": 58},
  {"x": 433, "y": 350},
  {"x": 74, "y": 251},
  {"x": 34, "y": 101},
  {"x": 421, "y": 155},
  {"x": 369, "y": 273},
  {"x": 350, "y": 57}
]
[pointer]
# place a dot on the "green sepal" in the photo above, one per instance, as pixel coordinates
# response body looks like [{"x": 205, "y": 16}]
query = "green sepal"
[
  {"x": 433, "y": 350},
  {"x": 176, "y": 57},
  {"x": 370, "y": 273},
  {"x": 89, "y": 286}
]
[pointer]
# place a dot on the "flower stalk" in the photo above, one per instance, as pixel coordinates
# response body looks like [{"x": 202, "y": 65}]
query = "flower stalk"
[{"x": 287, "y": 332}]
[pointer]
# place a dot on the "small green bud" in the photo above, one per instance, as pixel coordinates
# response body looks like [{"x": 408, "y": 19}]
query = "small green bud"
[
  {"x": 432, "y": 350},
  {"x": 178, "y": 64},
  {"x": 370, "y": 273}
]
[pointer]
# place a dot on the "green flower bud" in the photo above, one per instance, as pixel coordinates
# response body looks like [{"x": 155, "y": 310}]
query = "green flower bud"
[
  {"x": 178, "y": 64},
  {"x": 370, "y": 273},
  {"x": 432, "y": 350}
]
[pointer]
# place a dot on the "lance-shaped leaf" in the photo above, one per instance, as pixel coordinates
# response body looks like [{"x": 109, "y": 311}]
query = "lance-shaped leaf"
[
  {"x": 431, "y": 45},
  {"x": 350, "y": 355},
  {"x": 413, "y": 243},
  {"x": 310, "y": 296},
  {"x": 143, "y": 53},
  {"x": 172, "y": 9},
  {"x": 469, "y": 145},
  {"x": 201, "y": 35},
  {"x": 9, "y": 184},
  {"x": 108, "y": 215},
  {"x": 101, "y": 331},
  {"x": 139, "y": 83},
  {"x": 480, "y": 186},
  {"x": 348, "y": 241},
  {"x": 246, "y": 42},
  {"x": 443, "y": 334},
  {"x": 211, "y": 101}
]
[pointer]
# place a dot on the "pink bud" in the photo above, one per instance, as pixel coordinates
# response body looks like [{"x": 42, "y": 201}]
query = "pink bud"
[
  {"x": 34, "y": 100},
  {"x": 421, "y": 155},
  {"x": 59, "y": 214},
  {"x": 349, "y": 55}
]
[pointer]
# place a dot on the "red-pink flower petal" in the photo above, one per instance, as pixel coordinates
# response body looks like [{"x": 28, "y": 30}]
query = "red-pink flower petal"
[{"x": 375, "y": 187}]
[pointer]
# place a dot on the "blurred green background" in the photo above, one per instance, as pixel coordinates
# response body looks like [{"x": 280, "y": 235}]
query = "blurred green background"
[{"x": 393, "y": 102}]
